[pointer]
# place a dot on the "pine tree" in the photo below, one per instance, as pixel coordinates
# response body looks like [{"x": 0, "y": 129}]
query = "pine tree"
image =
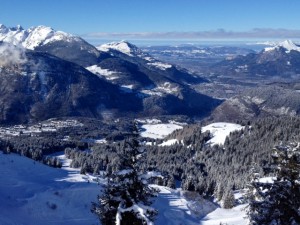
[
  {"x": 171, "y": 182},
  {"x": 126, "y": 198},
  {"x": 219, "y": 192},
  {"x": 228, "y": 199},
  {"x": 278, "y": 202}
]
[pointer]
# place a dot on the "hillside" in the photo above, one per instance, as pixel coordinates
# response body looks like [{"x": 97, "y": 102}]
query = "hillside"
[
  {"x": 37, "y": 86},
  {"x": 281, "y": 60},
  {"x": 275, "y": 99}
]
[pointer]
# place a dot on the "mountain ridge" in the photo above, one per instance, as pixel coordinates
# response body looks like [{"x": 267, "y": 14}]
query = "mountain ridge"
[
  {"x": 141, "y": 89},
  {"x": 282, "y": 60}
]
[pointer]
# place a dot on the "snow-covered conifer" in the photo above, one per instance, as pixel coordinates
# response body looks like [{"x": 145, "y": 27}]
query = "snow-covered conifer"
[
  {"x": 277, "y": 202},
  {"x": 127, "y": 196},
  {"x": 228, "y": 199}
]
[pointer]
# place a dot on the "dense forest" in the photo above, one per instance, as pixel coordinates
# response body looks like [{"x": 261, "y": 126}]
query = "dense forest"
[{"x": 194, "y": 164}]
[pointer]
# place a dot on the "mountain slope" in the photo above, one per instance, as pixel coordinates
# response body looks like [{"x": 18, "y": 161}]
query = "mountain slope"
[
  {"x": 163, "y": 88},
  {"x": 125, "y": 80},
  {"x": 154, "y": 68},
  {"x": 281, "y": 60},
  {"x": 267, "y": 100},
  {"x": 43, "y": 195},
  {"x": 43, "y": 86}
]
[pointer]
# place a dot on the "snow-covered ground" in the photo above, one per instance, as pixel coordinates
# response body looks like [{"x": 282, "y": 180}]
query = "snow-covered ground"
[
  {"x": 220, "y": 131},
  {"x": 234, "y": 216},
  {"x": 160, "y": 65},
  {"x": 176, "y": 208},
  {"x": 158, "y": 130},
  {"x": 107, "y": 74},
  {"x": 51, "y": 125},
  {"x": 169, "y": 142},
  {"x": 33, "y": 193}
]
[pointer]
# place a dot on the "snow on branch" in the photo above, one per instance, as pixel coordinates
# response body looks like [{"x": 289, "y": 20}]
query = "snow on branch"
[{"x": 140, "y": 209}]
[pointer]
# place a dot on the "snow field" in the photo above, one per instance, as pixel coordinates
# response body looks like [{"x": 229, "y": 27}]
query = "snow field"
[
  {"x": 177, "y": 207},
  {"x": 220, "y": 131},
  {"x": 97, "y": 70},
  {"x": 158, "y": 130},
  {"x": 33, "y": 193}
]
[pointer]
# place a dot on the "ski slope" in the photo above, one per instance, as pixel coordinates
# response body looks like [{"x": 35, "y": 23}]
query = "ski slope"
[{"x": 33, "y": 193}]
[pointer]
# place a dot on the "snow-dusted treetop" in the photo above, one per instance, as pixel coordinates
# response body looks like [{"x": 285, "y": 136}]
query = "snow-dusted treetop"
[
  {"x": 122, "y": 46},
  {"x": 287, "y": 44},
  {"x": 32, "y": 37}
]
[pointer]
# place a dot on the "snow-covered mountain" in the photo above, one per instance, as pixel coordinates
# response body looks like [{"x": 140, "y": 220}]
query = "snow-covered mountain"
[
  {"x": 52, "y": 74},
  {"x": 122, "y": 46},
  {"x": 129, "y": 49},
  {"x": 288, "y": 45},
  {"x": 34, "y": 36},
  {"x": 57, "y": 43},
  {"x": 159, "y": 84},
  {"x": 156, "y": 71},
  {"x": 36, "y": 85},
  {"x": 281, "y": 60}
]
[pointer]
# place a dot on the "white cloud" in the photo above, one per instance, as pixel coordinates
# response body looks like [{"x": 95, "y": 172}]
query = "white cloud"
[
  {"x": 11, "y": 55},
  {"x": 214, "y": 34}
]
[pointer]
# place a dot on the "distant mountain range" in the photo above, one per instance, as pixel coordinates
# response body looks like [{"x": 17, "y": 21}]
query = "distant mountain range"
[
  {"x": 46, "y": 73},
  {"x": 191, "y": 51},
  {"x": 281, "y": 60}
]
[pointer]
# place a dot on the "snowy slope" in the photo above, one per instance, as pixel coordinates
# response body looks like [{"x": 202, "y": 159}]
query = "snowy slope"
[
  {"x": 287, "y": 44},
  {"x": 220, "y": 131},
  {"x": 122, "y": 46},
  {"x": 176, "y": 207},
  {"x": 133, "y": 51},
  {"x": 32, "y": 193},
  {"x": 158, "y": 130},
  {"x": 107, "y": 74},
  {"x": 234, "y": 216},
  {"x": 33, "y": 37}
]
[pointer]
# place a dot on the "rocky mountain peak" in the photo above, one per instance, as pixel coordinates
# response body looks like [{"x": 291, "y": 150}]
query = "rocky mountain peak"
[{"x": 288, "y": 45}]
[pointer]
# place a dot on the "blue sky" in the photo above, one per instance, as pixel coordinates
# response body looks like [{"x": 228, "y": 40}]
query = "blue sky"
[{"x": 150, "y": 19}]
